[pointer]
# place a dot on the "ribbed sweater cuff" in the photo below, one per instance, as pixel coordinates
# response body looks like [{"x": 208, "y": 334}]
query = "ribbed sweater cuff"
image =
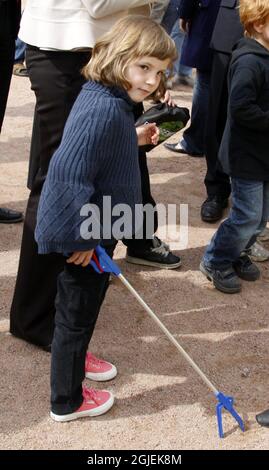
[{"x": 62, "y": 247}]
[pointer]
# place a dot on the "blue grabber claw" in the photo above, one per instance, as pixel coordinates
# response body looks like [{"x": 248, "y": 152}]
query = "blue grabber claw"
[
  {"x": 227, "y": 403},
  {"x": 101, "y": 262}
]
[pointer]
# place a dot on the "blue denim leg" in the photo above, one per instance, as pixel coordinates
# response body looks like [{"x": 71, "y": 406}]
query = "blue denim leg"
[
  {"x": 178, "y": 36},
  {"x": 247, "y": 218},
  {"x": 171, "y": 15},
  {"x": 19, "y": 51},
  {"x": 194, "y": 137}
]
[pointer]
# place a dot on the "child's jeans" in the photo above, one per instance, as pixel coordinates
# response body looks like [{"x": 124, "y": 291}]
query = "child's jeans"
[
  {"x": 80, "y": 294},
  {"x": 248, "y": 217}
]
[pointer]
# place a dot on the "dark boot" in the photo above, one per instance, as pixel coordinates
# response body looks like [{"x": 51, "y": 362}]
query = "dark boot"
[{"x": 212, "y": 209}]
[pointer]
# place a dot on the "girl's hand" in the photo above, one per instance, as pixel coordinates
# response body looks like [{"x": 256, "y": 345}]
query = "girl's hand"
[
  {"x": 81, "y": 257},
  {"x": 148, "y": 134},
  {"x": 168, "y": 99}
]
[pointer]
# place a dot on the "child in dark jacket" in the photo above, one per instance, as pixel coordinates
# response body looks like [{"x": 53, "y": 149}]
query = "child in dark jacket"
[
  {"x": 244, "y": 154},
  {"x": 97, "y": 161}
]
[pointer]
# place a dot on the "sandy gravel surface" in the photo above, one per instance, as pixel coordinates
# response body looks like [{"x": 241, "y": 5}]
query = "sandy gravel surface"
[{"x": 161, "y": 402}]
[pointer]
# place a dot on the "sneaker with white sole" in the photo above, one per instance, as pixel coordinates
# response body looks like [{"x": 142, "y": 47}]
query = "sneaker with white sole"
[
  {"x": 95, "y": 403},
  {"x": 98, "y": 369},
  {"x": 158, "y": 255},
  {"x": 257, "y": 252}
]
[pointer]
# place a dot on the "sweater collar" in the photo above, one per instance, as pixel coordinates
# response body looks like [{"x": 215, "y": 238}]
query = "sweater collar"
[{"x": 116, "y": 91}]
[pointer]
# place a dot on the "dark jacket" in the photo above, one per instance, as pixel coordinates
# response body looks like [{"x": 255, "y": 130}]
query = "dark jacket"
[
  {"x": 228, "y": 29},
  {"x": 201, "y": 15},
  {"x": 244, "y": 151},
  {"x": 10, "y": 13}
]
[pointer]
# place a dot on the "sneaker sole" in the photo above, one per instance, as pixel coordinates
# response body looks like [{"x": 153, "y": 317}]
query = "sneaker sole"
[
  {"x": 216, "y": 284},
  {"x": 84, "y": 414},
  {"x": 142, "y": 262},
  {"x": 102, "y": 376}
]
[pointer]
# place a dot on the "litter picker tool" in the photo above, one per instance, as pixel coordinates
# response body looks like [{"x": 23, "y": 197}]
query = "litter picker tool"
[{"x": 101, "y": 262}]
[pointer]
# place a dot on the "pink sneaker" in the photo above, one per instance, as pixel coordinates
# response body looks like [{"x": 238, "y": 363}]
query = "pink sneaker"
[
  {"x": 95, "y": 403},
  {"x": 99, "y": 370}
]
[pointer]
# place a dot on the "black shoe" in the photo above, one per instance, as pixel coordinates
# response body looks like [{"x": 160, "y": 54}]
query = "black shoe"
[
  {"x": 8, "y": 216},
  {"x": 263, "y": 418},
  {"x": 224, "y": 280},
  {"x": 212, "y": 209},
  {"x": 158, "y": 256},
  {"x": 245, "y": 269},
  {"x": 179, "y": 149},
  {"x": 46, "y": 348}
]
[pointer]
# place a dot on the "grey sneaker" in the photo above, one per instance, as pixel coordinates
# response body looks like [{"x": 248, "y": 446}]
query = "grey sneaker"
[
  {"x": 264, "y": 235},
  {"x": 258, "y": 253}
]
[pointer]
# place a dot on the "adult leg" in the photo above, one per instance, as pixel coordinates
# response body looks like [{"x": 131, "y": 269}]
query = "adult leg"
[
  {"x": 19, "y": 51},
  {"x": 56, "y": 79},
  {"x": 194, "y": 137},
  {"x": 19, "y": 68},
  {"x": 7, "y": 50},
  {"x": 217, "y": 183},
  {"x": 193, "y": 141},
  {"x": 183, "y": 73}
]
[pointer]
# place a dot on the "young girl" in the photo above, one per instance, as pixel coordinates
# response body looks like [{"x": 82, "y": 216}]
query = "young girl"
[{"x": 98, "y": 157}]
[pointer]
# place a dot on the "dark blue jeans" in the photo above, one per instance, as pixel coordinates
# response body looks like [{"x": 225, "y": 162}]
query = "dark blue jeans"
[
  {"x": 20, "y": 51},
  {"x": 80, "y": 294},
  {"x": 170, "y": 22},
  {"x": 194, "y": 137},
  {"x": 247, "y": 218}
]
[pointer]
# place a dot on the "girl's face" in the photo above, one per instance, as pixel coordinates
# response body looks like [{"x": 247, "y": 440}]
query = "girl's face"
[{"x": 145, "y": 75}]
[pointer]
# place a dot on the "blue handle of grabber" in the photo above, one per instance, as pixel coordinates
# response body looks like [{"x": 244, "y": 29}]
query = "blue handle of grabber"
[{"x": 101, "y": 262}]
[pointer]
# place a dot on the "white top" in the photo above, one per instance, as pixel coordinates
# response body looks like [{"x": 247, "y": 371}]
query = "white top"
[{"x": 72, "y": 24}]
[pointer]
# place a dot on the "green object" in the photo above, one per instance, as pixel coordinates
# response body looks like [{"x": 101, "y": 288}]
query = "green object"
[{"x": 167, "y": 129}]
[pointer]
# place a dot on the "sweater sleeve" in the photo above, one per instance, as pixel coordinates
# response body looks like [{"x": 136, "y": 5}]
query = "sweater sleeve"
[
  {"x": 69, "y": 193},
  {"x": 246, "y": 85}
]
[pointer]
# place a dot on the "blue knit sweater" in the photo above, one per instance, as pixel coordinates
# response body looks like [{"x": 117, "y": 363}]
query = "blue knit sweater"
[{"x": 98, "y": 156}]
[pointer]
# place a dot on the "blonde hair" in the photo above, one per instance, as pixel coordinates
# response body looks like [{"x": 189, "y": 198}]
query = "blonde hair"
[
  {"x": 129, "y": 39},
  {"x": 252, "y": 11}
]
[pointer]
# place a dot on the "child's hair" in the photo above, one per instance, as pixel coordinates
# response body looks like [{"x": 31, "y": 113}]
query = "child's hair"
[
  {"x": 129, "y": 39},
  {"x": 252, "y": 11}
]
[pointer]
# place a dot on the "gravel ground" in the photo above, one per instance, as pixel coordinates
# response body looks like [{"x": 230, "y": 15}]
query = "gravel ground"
[{"x": 161, "y": 402}]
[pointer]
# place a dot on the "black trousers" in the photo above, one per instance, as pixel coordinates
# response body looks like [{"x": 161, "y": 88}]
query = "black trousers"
[
  {"x": 7, "y": 51},
  {"x": 56, "y": 80},
  {"x": 217, "y": 183},
  {"x": 80, "y": 294}
]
